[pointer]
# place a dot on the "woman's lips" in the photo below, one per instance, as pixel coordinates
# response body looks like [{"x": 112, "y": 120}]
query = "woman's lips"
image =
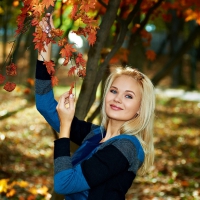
[{"x": 115, "y": 107}]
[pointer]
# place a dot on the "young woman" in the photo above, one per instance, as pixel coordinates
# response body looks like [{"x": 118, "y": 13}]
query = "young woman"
[{"x": 110, "y": 155}]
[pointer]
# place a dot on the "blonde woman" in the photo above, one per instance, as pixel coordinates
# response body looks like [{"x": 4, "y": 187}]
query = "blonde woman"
[{"x": 111, "y": 155}]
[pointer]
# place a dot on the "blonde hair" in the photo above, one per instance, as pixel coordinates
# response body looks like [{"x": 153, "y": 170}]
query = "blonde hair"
[{"x": 140, "y": 126}]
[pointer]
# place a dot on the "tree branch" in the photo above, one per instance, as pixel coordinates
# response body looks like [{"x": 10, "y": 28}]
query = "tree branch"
[
  {"x": 102, "y": 3},
  {"x": 122, "y": 35}
]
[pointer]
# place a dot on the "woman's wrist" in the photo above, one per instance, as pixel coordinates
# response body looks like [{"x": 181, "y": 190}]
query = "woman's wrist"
[
  {"x": 45, "y": 56},
  {"x": 65, "y": 131}
]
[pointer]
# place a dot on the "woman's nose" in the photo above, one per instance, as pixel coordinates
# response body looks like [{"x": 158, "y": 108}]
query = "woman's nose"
[{"x": 118, "y": 98}]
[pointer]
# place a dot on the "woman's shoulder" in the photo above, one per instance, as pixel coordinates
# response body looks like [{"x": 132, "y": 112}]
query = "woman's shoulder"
[
  {"x": 131, "y": 149},
  {"x": 128, "y": 145},
  {"x": 95, "y": 130}
]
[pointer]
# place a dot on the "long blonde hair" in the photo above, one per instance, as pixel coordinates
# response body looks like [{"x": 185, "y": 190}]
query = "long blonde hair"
[{"x": 140, "y": 126}]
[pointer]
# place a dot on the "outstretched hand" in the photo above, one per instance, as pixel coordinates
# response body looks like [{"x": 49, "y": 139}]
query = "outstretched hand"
[
  {"x": 66, "y": 110},
  {"x": 47, "y": 23}
]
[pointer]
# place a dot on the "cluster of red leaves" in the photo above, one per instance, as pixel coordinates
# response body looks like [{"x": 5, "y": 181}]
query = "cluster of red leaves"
[
  {"x": 11, "y": 70},
  {"x": 79, "y": 12},
  {"x": 188, "y": 10},
  {"x": 31, "y": 14}
]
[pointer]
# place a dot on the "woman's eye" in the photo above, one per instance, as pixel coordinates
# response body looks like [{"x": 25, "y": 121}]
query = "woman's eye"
[
  {"x": 128, "y": 96},
  {"x": 113, "y": 91}
]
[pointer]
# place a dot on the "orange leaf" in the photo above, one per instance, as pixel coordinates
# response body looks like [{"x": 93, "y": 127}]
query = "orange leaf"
[
  {"x": 62, "y": 42},
  {"x": 74, "y": 11},
  {"x": 151, "y": 55},
  {"x": 71, "y": 88},
  {"x": 56, "y": 32},
  {"x": 66, "y": 61},
  {"x": 48, "y": 3},
  {"x": 30, "y": 81},
  {"x": 92, "y": 38},
  {"x": 54, "y": 80},
  {"x": 2, "y": 78},
  {"x": 71, "y": 71},
  {"x": 50, "y": 67},
  {"x": 79, "y": 60},
  {"x": 67, "y": 50},
  {"x": 81, "y": 72},
  {"x": 9, "y": 86},
  {"x": 38, "y": 9}
]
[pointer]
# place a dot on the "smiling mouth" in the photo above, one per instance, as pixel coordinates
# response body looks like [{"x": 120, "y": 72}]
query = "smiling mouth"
[{"x": 113, "y": 107}]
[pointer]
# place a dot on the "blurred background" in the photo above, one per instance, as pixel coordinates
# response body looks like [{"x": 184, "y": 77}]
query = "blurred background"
[{"x": 160, "y": 38}]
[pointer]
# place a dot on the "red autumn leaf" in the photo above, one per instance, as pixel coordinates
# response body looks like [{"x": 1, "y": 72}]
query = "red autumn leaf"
[
  {"x": 92, "y": 38},
  {"x": 87, "y": 6},
  {"x": 79, "y": 60},
  {"x": 9, "y": 86},
  {"x": 81, "y": 31},
  {"x": 11, "y": 70},
  {"x": 62, "y": 42},
  {"x": 82, "y": 72},
  {"x": 2, "y": 78},
  {"x": 40, "y": 47},
  {"x": 66, "y": 61},
  {"x": 151, "y": 55},
  {"x": 39, "y": 38},
  {"x": 50, "y": 67},
  {"x": 54, "y": 80},
  {"x": 34, "y": 22},
  {"x": 71, "y": 71},
  {"x": 74, "y": 11},
  {"x": 56, "y": 32},
  {"x": 67, "y": 50},
  {"x": 71, "y": 88}
]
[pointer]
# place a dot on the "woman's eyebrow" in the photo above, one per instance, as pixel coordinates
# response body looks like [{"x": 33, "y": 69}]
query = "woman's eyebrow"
[
  {"x": 130, "y": 91},
  {"x": 112, "y": 86}
]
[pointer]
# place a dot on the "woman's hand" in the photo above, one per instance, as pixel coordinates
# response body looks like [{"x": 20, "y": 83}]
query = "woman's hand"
[
  {"x": 66, "y": 110},
  {"x": 46, "y": 24}
]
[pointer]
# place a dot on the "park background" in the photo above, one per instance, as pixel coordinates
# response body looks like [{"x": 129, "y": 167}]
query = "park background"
[{"x": 167, "y": 49}]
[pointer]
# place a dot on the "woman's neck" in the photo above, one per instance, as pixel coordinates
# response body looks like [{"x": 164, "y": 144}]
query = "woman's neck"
[{"x": 113, "y": 129}]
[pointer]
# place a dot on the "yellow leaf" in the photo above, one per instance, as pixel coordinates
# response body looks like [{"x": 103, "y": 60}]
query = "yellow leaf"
[
  {"x": 3, "y": 185},
  {"x": 22, "y": 184},
  {"x": 43, "y": 190}
]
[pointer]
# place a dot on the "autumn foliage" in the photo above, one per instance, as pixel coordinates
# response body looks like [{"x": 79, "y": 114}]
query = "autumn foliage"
[{"x": 33, "y": 11}]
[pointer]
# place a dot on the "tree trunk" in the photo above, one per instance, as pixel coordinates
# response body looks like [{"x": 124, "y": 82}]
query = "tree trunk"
[
  {"x": 177, "y": 57},
  {"x": 95, "y": 72},
  {"x": 94, "y": 53},
  {"x": 136, "y": 49}
]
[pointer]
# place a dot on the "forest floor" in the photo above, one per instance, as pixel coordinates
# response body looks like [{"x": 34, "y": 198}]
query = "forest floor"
[{"x": 26, "y": 152}]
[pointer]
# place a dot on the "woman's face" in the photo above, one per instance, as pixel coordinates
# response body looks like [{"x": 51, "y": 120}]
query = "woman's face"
[{"x": 122, "y": 102}]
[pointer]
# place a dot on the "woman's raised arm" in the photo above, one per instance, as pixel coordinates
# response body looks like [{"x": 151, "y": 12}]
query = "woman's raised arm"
[{"x": 44, "y": 96}]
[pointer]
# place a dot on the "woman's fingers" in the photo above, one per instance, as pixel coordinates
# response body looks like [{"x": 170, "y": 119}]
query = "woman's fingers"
[
  {"x": 65, "y": 99},
  {"x": 66, "y": 113},
  {"x": 71, "y": 101}
]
